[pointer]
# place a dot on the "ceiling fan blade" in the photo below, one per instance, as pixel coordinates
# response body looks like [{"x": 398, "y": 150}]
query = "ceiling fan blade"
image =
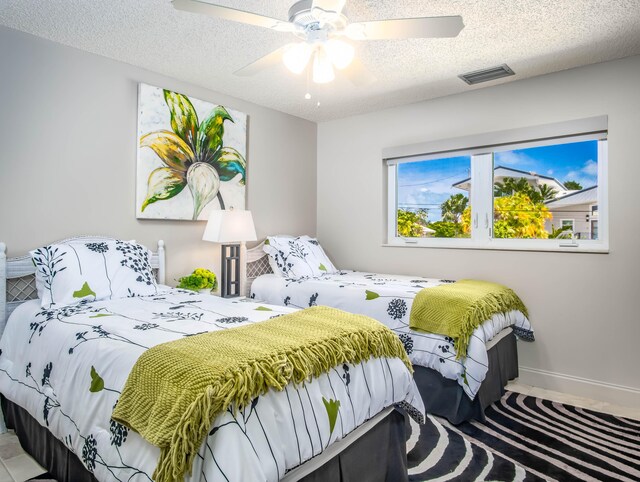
[
  {"x": 358, "y": 74},
  {"x": 329, "y": 5},
  {"x": 205, "y": 8},
  {"x": 263, "y": 63},
  {"x": 422, "y": 27}
]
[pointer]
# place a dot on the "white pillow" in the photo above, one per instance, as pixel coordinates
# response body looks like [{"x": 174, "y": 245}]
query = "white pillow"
[
  {"x": 69, "y": 273},
  {"x": 300, "y": 257}
]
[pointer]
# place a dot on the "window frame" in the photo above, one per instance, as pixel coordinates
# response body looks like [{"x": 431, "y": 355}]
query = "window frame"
[{"x": 481, "y": 200}]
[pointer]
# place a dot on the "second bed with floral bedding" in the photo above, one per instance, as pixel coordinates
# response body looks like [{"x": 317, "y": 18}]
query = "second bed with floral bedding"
[
  {"x": 389, "y": 298},
  {"x": 302, "y": 275}
]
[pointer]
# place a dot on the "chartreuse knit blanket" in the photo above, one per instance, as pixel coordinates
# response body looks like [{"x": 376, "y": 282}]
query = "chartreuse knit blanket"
[
  {"x": 175, "y": 390},
  {"x": 457, "y": 309}
]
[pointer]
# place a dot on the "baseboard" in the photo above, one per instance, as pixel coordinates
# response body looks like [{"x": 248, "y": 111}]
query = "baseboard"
[{"x": 583, "y": 387}]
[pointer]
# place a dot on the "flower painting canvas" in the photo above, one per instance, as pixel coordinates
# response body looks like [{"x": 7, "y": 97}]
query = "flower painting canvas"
[{"x": 191, "y": 156}]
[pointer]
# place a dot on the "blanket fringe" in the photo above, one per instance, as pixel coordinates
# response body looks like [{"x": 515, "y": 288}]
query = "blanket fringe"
[
  {"x": 483, "y": 310},
  {"x": 239, "y": 387}
]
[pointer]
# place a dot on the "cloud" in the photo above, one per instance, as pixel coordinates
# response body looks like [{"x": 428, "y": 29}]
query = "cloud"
[
  {"x": 590, "y": 168},
  {"x": 587, "y": 176},
  {"x": 549, "y": 172},
  {"x": 513, "y": 158}
]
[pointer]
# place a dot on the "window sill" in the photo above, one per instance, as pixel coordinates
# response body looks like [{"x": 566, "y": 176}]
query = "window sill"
[{"x": 501, "y": 245}]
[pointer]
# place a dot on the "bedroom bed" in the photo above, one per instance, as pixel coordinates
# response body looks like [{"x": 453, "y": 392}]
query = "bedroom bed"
[
  {"x": 458, "y": 389},
  {"x": 63, "y": 369}
]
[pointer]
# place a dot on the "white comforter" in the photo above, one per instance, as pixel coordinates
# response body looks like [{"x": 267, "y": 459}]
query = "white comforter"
[
  {"x": 67, "y": 367},
  {"x": 388, "y": 299}
]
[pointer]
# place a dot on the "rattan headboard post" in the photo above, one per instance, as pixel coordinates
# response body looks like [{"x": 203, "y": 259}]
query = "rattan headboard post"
[
  {"x": 3, "y": 286},
  {"x": 161, "y": 262},
  {"x": 257, "y": 264}
]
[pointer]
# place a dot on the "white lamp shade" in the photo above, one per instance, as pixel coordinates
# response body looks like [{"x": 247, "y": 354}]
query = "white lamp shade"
[
  {"x": 296, "y": 56},
  {"x": 229, "y": 226},
  {"x": 340, "y": 53},
  {"x": 322, "y": 67}
]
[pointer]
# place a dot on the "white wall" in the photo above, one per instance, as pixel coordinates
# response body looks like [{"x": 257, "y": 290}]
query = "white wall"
[
  {"x": 68, "y": 155},
  {"x": 585, "y": 307}
]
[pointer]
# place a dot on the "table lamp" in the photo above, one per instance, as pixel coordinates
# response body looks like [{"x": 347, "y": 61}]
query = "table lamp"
[{"x": 231, "y": 228}]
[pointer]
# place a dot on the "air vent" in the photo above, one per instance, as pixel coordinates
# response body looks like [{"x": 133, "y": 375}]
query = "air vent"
[{"x": 485, "y": 75}]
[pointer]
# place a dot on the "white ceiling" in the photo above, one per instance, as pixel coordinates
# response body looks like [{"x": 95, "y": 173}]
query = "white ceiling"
[{"x": 533, "y": 37}]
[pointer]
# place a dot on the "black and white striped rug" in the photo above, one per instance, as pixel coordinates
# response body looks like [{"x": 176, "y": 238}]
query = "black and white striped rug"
[{"x": 527, "y": 439}]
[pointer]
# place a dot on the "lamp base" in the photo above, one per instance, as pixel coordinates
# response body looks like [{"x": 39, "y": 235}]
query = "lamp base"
[{"x": 230, "y": 267}]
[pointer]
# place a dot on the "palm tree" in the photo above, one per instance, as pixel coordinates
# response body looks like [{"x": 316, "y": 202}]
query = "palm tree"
[
  {"x": 546, "y": 192},
  {"x": 453, "y": 208},
  {"x": 510, "y": 185},
  {"x": 563, "y": 232}
]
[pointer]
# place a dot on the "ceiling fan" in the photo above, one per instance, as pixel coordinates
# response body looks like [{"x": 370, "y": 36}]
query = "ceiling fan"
[{"x": 322, "y": 27}]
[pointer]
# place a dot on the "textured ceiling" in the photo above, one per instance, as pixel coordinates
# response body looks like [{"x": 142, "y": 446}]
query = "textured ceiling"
[{"x": 533, "y": 37}]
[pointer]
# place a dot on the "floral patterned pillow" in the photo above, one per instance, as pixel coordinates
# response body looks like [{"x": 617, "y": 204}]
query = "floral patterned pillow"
[
  {"x": 296, "y": 258},
  {"x": 69, "y": 273}
]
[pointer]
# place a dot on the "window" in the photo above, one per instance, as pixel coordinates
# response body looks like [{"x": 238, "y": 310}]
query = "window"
[
  {"x": 566, "y": 228},
  {"x": 429, "y": 205},
  {"x": 548, "y": 193}
]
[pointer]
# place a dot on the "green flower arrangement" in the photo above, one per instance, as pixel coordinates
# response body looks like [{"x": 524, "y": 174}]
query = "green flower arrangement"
[{"x": 200, "y": 279}]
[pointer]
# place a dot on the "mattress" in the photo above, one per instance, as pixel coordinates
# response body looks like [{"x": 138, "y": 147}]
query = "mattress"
[{"x": 388, "y": 298}]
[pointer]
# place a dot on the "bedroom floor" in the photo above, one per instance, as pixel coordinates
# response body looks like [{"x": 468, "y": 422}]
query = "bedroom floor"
[{"x": 17, "y": 466}]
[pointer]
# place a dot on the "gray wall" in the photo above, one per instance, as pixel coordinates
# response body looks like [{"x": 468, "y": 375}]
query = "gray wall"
[
  {"x": 584, "y": 306},
  {"x": 68, "y": 155}
]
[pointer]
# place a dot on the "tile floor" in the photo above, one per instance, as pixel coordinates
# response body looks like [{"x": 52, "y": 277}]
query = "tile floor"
[{"x": 17, "y": 466}]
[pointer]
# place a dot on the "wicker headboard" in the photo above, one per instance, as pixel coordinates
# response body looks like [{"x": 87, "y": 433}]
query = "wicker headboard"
[
  {"x": 18, "y": 281},
  {"x": 257, "y": 264}
]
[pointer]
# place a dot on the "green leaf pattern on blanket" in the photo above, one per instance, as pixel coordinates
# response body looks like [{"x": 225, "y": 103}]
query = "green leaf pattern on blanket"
[
  {"x": 371, "y": 295},
  {"x": 84, "y": 291},
  {"x": 97, "y": 383},
  {"x": 332, "y": 407},
  {"x": 322, "y": 267}
]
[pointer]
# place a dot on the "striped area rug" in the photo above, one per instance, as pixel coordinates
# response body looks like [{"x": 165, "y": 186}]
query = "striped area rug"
[{"x": 527, "y": 439}]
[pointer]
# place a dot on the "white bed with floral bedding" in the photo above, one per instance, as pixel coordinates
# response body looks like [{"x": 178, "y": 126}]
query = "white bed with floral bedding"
[
  {"x": 67, "y": 365},
  {"x": 294, "y": 282}
]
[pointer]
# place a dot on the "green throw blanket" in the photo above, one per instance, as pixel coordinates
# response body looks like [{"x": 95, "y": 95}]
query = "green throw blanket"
[
  {"x": 457, "y": 309},
  {"x": 175, "y": 390}
]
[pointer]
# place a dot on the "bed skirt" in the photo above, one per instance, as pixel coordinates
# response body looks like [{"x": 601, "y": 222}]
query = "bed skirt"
[
  {"x": 378, "y": 456},
  {"x": 444, "y": 397}
]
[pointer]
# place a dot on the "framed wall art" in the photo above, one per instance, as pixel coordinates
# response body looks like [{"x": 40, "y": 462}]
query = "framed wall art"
[{"x": 191, "y": 156}]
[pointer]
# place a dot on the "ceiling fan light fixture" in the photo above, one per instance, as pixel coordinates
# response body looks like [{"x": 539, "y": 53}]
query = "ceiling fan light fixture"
[
  {"x": 322, "y": 26},
  {"x": 296, "y": 56},
  {"x": 322, "y": 67},
  {"x": 340, "y": 52}
]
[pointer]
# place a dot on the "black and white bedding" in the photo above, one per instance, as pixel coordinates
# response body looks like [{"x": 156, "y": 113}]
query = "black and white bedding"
[
  {"x": 388, "y": 298},
  {"x": 67, "y": 366}
]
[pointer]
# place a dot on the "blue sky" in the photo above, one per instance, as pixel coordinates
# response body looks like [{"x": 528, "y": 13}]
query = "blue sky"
[{"x": 427, "y": 184}]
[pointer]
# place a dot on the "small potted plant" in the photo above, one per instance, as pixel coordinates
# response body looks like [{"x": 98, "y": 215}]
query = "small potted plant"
[{"x": 201, "y": 280}]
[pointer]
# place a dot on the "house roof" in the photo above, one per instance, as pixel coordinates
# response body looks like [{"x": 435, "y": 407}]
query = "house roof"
[
  {"x": 585, "y": 196},
  {"x": 500, "y": 172}
]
